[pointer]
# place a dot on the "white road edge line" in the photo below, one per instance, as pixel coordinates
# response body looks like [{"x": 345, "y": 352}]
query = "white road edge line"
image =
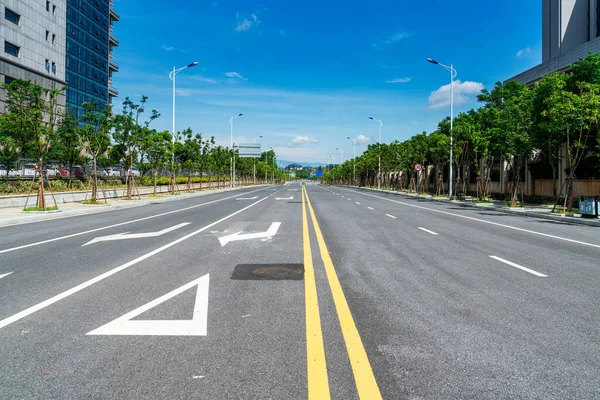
[
  {"x": 512, "y": 264},
  {"x": 81, "y": 286},
  {"x": 484, "y": 221},
  {"x": 119, "y": 224},
  {"x": 358, "y": 203},
  {"x": 371, "y": 208},
  {"x": 391, "y": 216},
  {"x": 428, "y": 231}
]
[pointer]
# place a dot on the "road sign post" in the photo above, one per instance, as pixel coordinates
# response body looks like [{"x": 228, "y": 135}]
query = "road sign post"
[{"x": 418, "y": 168}]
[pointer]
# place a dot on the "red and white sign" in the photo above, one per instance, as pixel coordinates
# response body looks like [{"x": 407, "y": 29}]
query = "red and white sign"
[{"x": 418, "y": 167}]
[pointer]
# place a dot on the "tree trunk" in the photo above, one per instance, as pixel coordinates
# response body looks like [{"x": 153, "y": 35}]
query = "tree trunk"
[
  {"x": 94, "y": 179},
  {"x": 41, "y": 198},
  {"x": 155, "y": 178},
  {"x": 130, "y": 178}
]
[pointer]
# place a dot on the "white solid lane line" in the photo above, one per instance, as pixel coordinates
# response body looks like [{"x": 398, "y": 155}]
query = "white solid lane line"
[
  {"x": 512, "y": 264},
  {"x": 428, "y": 231},
  {"x": 485, "y": 222},
  {"x": 81, "y": 286},
  {"x": 358, "y": 203},
  {"x": 371, "y": 208},
  {"x": 391, "y": 216},
  {"x": 119, "y": 224},
  {"x": 3, "y": 275}
]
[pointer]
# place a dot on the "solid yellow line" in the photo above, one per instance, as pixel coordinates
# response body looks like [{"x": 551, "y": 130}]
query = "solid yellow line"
[
  {"x": 366, "y": 384},
  {"x": 316, "y": 365}
]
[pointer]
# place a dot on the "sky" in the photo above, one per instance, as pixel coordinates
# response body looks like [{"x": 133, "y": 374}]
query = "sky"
[{"x": 306, "y": 74}]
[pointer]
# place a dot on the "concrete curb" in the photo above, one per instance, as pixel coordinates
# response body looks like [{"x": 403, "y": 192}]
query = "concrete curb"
[
  {"x": 25, "y": 219},
  {"x": 560, "y": 218}
]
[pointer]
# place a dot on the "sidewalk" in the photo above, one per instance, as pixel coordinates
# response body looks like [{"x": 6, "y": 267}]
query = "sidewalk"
[
  {"x": 536, "y": 211},
  {"x": 15, "y": 216}
]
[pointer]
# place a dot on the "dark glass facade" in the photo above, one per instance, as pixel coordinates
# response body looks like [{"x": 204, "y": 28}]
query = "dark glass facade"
[{"x": 87, "y": 74}]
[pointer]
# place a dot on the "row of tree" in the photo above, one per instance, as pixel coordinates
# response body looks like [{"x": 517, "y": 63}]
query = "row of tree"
[
  {"x": 555, "y": 120},
  {"x": 34, "y": 125}
]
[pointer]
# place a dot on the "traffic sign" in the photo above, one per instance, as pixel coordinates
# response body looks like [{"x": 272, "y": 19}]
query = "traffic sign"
[{"x": 418, "y": 167}]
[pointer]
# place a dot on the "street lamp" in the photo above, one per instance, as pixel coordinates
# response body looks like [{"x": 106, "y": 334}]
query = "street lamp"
[
  {"x": 233, "y": 155},
  {"x": 353, "y": 159},
  {"x": 254, "y": 161},
  {"x": 341, "y": 155},
  {"x": 453, "y": 74},
  {"x": 172, "y": 75},
  {"x": 380, "y": 122}
]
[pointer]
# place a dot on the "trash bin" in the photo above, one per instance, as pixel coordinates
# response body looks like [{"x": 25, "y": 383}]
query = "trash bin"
[{"x": 588, "y": 205}]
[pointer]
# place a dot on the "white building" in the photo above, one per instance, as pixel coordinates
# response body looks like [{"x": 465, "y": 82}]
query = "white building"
[{"x": 570, "y": 29}]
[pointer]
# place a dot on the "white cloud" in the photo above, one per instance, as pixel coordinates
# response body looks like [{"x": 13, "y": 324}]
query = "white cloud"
[
  {"x": 244, "y": 23},
  {"x": 523, "y": 51},
  {"x": 441, "y": 98},
  {"x": 167, "y": 48},
  {"x": 362, "y": 139},
  {"x": 203, "y": 79},
  {"x": 298, "y": 140},
  {"x": 234, "y": 75},
  {"x": 397, "y": 36},
  {"x": 399, "y": 80}
]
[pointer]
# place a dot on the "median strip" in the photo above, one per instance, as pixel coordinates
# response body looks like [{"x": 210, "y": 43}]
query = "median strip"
[
  {"x": 318, "y": 383},
  {"x": 364, "y": 378}
]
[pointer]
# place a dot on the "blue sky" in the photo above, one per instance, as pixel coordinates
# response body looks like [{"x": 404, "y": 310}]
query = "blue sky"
[{"x": 308, "y": 73}]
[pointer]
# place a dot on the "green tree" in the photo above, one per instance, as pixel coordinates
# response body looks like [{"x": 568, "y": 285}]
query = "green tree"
[
  {"x": 9, "y": 151},
  {"x": 69, "y": 145},
  {"x": 157, "y": 149},
  {"x": 98, "y": 122}
]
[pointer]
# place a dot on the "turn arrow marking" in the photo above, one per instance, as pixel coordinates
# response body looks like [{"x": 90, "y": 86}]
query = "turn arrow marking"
[
  {"x": 272, "y": 231},
  {"x": 127, "y": 235},
  {"x": 191, "y": 327},
  {"x": 3, "y": 275}
]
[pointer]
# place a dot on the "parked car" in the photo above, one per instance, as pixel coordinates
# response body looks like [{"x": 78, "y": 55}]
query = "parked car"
[
  {"x": 62, "y": 172},
  {"x": 78, "y": 172},
  {"x": 113, "y": 171},
  {"x": 30, "y": 170},
  {"x": 134, "y": 171},
  {"x": 2, "y": 171},
  {"x": 100, "y": 172}
]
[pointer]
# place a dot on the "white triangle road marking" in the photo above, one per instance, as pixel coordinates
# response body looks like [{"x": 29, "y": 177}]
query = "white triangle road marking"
[
  {"x": 196, "y": 326},
  {"x": 3, "y": 275}
]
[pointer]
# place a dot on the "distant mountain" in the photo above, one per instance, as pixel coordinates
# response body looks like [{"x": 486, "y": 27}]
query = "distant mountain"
[{"x": 285, "y": 163}]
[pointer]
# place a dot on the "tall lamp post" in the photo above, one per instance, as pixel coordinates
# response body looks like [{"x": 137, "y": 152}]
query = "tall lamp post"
[
  {"x": 453, "y": 73},
  {"x": 233, "y": 155},
  {"x": 353, "y": 160},
  {"x": 172, "y": 76},
  {"x": 341, "y": 155},
  {"x": 380, "y": 122},
  {"x": 254, "y": 161}
]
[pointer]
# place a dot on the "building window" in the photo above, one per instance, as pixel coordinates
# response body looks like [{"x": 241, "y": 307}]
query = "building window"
[
  {"x": 11, "y": 16},
  {"x": 8, "y": 80},
  {"x": 47, "y": 6},
  {"x": 54, "y": 68},
  {"x": 47, "y": 35},
  {"x": 47, "y": 66},
  {"x": 53, "y": 38},
  {"x": 53, "y": 9},
  {"x": 11, "y": 49}
]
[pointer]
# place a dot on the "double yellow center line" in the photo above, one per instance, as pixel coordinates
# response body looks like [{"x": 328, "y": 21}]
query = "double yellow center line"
[{"x": 318, "y": 383}]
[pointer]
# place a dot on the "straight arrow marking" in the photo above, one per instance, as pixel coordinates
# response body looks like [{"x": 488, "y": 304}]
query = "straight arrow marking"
[
  {"x": 3, "y": 275},
  {"x": 272, "y": 231},
  {"x": 197, "y": 326},
  {"x": 127, "y": 235}
]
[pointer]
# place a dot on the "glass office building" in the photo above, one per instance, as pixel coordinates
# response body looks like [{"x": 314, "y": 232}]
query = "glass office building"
[{"x": 89, "y": 45}]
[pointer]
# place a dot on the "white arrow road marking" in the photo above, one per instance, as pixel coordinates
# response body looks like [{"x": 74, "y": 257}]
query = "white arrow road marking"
[
  {"x": 512, "y": 264},
  {"x": 284, "y": 198},
  {"x": 127, "y": 235},
  {"x": 3, "y": 275},
  {"x": 192, "y": 327},
  {"x": 247, "y": 198},
  {"x": 272, "y": 231}
]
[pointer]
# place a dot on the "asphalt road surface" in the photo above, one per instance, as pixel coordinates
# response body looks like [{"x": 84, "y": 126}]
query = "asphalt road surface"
[{"x": 296, "y": 292}]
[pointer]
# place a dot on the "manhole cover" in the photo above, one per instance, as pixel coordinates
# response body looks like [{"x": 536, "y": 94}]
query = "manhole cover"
[{"x": 261, "y": 272}]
